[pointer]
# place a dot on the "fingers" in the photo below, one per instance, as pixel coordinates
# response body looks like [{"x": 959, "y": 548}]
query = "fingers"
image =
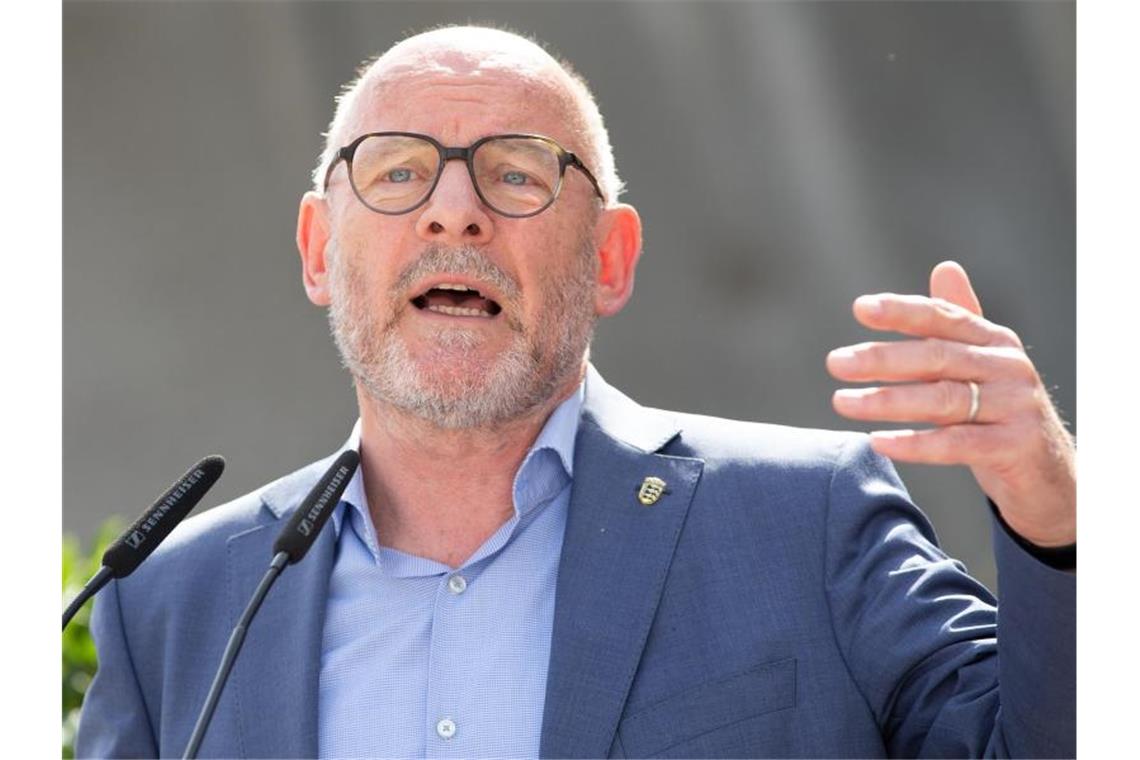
[
  {"x": 973, "y": 445},
  {"x": 944, "y": 445},
  {"x": 950, "y": 282},
  {"x": 931, "y": 359},
  {"x": 930, "y": 318},
  {"x": 946, "y": 402}
]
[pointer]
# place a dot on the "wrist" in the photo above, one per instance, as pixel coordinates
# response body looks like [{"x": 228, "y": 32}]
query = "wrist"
[{"x": 1055, "y": 536}]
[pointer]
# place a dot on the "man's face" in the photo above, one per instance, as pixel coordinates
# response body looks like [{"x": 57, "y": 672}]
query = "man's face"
[{"x": 391, "y": 278}]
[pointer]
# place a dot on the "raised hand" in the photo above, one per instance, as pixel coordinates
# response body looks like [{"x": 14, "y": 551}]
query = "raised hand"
[{"x": 973, "y": 381}]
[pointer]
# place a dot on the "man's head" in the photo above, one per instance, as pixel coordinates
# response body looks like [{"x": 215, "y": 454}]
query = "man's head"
[{"x": 408, "y": 335}]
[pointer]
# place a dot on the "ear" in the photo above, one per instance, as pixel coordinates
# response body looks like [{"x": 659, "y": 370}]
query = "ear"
[
  {"x": 312, "y": 240},
  {"x": 619, "y": 246}
]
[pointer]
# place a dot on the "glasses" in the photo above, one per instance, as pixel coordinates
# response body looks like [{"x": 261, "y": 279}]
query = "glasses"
[{"x": 514, "y": 175}]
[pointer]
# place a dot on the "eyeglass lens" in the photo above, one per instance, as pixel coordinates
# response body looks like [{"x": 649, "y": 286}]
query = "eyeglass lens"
[{"x": 515, "y": 175}]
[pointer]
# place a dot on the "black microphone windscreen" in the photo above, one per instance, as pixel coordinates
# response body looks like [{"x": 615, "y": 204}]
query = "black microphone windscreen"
[
  {"x": 155, "y": 524},
  {"x": 302, "y": 529}
]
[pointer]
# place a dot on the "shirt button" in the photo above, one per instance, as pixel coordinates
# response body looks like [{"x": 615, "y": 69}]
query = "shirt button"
[
  {"x": 457, "y": 584},
  {"x": 445, "y": 728}
]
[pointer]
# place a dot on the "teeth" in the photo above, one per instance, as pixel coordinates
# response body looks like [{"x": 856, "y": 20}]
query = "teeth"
[
  {"x": 454, "y": 286},
  {"x": 459, "y": 311}
]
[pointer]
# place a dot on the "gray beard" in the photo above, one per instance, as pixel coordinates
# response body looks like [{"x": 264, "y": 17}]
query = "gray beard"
[{"x": 536, "y": 364}]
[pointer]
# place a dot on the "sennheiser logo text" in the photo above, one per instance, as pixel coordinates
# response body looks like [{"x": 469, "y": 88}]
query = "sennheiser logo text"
[
  {"x": 139, "y": 534},
  {"x": 305, "y": 527}
]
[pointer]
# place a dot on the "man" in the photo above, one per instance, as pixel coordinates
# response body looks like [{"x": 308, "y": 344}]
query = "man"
[{"x": 528, "y": 562}]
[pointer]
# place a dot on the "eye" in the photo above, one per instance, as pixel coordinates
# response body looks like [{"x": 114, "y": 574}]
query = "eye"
[
  {"x": 398, "y": 175},
  {"x": 515, "y": 178}
]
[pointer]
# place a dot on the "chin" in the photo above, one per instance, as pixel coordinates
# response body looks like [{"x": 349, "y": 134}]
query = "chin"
[
  {"x": 454, "y": 386},
  {"x": 455, "y": 379},
  {"x": 459, "y": 359}
]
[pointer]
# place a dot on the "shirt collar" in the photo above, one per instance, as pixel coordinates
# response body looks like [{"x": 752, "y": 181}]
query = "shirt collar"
[
  {"x": 561, "y": 429},
  {"x": 557, "y": 435}
]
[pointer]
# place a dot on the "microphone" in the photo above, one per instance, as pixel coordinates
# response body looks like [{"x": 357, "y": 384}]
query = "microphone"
[
  {"x": 301, "y": 531},
  {"x": 292, "y": 543},
  {"x": 153, "y": 526}
]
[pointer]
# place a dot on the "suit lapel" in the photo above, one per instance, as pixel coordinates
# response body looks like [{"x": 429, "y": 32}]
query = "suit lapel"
[
  {"x": 276, "y": 676},
  {"x": 615, "y": 558}
]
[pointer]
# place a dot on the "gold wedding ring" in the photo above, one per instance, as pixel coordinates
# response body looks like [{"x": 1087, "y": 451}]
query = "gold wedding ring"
[{"x": 975, "y": 401}]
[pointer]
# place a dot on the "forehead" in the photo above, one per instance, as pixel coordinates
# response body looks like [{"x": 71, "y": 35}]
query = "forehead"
[{"x": 461, "y": 95}]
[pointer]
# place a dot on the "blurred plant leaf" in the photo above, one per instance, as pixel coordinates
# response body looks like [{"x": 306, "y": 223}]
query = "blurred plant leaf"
[{"x": 79, "y": 661}]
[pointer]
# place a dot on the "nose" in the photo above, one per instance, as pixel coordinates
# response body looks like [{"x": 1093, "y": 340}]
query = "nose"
[{"x": 454, "y": 214}]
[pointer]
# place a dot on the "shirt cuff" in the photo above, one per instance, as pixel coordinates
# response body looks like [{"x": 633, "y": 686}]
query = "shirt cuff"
[{"x": 1056, "y": 557}]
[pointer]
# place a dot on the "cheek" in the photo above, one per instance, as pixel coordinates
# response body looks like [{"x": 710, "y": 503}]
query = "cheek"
[
  {"x": 369, "y": 260},
  {"x": 569, "y": 280},
  {"x": 375, "y": 237},
  {"x": 565, "y": 293},
  {"x": 356, "y": 285}
]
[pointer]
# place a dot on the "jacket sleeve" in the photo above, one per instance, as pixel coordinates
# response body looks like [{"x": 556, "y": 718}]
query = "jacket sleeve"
[
  {"x": 114, "y": 720},
  {"x": 943, "y": 672}
]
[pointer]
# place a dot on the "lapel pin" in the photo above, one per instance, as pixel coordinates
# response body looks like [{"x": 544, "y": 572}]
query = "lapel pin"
[{"x": 650, "y": 491}]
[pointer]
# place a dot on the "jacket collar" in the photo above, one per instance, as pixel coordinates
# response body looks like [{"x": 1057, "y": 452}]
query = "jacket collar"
[
  {"x": 282, "y": 496},
  {"x": 623, "y": 419}
]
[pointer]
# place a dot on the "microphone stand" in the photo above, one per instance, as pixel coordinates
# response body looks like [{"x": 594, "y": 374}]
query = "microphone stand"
[
  {"x": 237, "y": 638},
  {"x": 90, "y": 588}
]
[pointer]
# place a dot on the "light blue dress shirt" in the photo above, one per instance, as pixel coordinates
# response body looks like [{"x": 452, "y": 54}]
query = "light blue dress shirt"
[{"x": 419, "y": 660}]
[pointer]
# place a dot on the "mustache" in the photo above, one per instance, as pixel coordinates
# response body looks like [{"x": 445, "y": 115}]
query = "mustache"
[{"x": 465, "y": 260}]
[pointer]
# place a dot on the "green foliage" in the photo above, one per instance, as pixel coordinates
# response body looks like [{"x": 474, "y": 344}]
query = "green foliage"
[{"x": 78, "y": 649}]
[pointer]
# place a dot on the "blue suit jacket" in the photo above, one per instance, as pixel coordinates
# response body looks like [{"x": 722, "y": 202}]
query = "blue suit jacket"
[{"x": 782, "y": 598}]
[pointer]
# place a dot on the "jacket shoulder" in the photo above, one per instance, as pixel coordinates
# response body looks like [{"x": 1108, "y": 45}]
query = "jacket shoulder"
[{"x": 720, "y": 441}]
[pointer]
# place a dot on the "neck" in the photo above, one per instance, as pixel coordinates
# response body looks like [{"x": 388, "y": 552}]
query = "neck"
[{"x": 441, "y": 493}]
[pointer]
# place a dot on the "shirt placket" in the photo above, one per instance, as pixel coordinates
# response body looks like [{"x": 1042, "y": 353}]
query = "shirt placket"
[{"x": 450, "y": 725}]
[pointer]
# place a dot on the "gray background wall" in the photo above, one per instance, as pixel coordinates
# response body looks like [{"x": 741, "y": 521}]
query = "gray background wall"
[{"x": 785, "y": 158}]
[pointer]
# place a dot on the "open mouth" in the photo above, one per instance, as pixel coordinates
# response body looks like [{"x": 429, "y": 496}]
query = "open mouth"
[{"x": 456, "y": 300}]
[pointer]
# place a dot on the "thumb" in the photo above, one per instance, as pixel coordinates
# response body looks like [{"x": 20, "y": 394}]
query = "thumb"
[{"x": 949, "y": 282}]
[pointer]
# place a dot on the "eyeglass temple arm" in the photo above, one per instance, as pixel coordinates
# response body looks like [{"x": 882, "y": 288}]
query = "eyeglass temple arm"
[
  {"x": 341, "y": 154},
  {"x": 577, "y": 164}
]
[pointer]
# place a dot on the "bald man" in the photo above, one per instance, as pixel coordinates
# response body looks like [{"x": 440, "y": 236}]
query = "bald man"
[{"x": 529, "y": 563}]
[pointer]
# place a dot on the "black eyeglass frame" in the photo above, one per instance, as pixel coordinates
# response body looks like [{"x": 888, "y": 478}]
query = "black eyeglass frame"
[{"x": 467, "y": 155}]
